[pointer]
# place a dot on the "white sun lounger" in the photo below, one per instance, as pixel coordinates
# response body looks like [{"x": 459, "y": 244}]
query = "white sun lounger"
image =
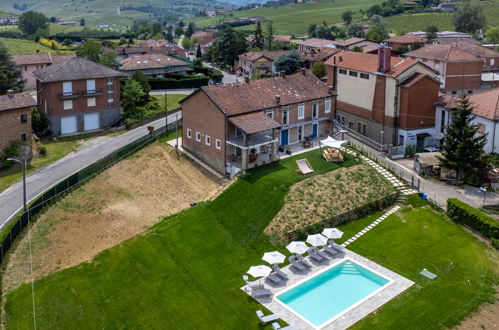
[
  {"x": 261, "y": 293},
  {"x": 314, "y": 255},
  {"x": 304, "y": 166},
  {"x": 329, "y": 250},
  {"x": 303, "y": 261},
  {"x": 274, "y": 278},
  {"x": 295, "y": 263},
  {"x": 266, "y": 318},
  {"x": 255, "y": 285},
  {"x": 278, "y": 271},
  {"x": 276, "y": 326}
]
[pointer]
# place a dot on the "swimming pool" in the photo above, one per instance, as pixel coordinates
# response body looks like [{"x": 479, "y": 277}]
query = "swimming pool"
[{"x": 336, "y": 290}]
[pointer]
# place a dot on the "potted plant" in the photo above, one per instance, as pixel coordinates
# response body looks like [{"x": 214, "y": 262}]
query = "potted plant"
[{"x": 410, "y": 151}]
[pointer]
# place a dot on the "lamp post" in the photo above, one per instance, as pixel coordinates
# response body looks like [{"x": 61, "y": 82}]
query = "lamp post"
[
  {"x": 23, "y": 165},
  {"x": 484, "y": 190}
]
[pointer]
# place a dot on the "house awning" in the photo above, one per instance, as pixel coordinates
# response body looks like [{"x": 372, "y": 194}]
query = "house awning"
[
  {"x": 422, "y": 135},
  {"x": 254, "y": 122}
]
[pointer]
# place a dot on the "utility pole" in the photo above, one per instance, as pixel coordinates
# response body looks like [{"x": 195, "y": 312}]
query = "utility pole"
[
  {"x": 166, "y": 113},
  {"x": 23, "y": 165}
]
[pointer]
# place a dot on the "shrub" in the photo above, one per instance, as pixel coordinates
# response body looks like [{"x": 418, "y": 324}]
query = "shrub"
[
  {"x": 463, "y": 213},
  {"x": 215, "y": 75}
]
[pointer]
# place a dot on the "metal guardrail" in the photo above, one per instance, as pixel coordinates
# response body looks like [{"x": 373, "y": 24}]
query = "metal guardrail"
[{"x": 76, "y": 179}]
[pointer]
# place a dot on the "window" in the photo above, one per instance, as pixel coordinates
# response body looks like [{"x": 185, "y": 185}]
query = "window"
[
  {"x": 91, "y": 86},
  {"x": 68, "y": 104},
  {"x": 352, "y": 73},
  {"x": 207, "y": 140},
  {"x": 23, "y": 137},
  {"x": 470, "y": 92},
  {"x": 454, "y": 92},
  {"x": 24, "y": 118},
  {"x": 442, "y": 121},
  {"x": 492, "y": 62},
  {"x": 110, "y": 103},
  {"x": 239, "y": 132},
  {"x": 361, "y": 128},
  {"x": 364, "y": 76},
  {"x": 198, "y": 136},
  {"x": 315, "y": 110},
  {"x": 189, "y": 133},
  {"x": 481, "y": 128},
  {"x": 110, "y": 81},
  {"x": 401, "y": 140},
  {"x": 300, "y": 133},
  {"x": 350, "y": 125},
  {"x": 110, "y": 88},
  {"x": 301, "y": 111},
  {"x": 327, "y": 106},
  {"x": 342, "y": 71},
  {"x": 341, "y": 119},
  {"x": 67, "y": 88},
  {"x": 270, "y": 114},
  {"x": 218, "y": 144},
  {"x": 285, "y": 117},
  {"x": 91, "y": 102},
  {"x": 25, "y": 68}
]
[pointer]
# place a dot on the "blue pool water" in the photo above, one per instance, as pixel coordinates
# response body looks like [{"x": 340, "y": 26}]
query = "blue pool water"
[{"x": 328, "y": 294}]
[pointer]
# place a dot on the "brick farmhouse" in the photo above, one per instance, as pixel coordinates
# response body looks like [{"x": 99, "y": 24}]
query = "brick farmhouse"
[
  {"x": 241, "y": 125},
  {"x": 15, "y": 119},
  {"x": 384, "y": 100},
  {"x": 79, "y": 95}
]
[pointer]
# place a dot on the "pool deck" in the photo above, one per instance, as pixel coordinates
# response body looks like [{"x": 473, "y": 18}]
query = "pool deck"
[{"x": 398, "y": 285}]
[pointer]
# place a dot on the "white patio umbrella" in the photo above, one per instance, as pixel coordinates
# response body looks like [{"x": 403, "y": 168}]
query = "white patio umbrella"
[
  {"x": 297, "y": 247},
  {"x": 274, "y": 257},
  {"x": 332, "y": 233},
  {"x": 317, "y": 240},
  {"x": 259, "y": 271}
]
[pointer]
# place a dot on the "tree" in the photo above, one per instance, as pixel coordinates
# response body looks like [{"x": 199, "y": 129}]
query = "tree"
[
  {"x": 355, "y": 30},
  {"x": 319, "y": 69},
  {"x": 230, "y": 45},
  {"x": 376, "y": 34},
  {"x": 199, "y": 53},
  {"x": 259, "y": 41},
  {"x": 469, "y": 19},
  {"x": 90, "y": 49},
  {"x": 357, "y": 49},
  {"x": 108, "y": 58},
  {"x": 169, "y": 35},
  {"x": 131, "y": 97},
  {"x": 186, "y": 43},
  {"x": 322, "y": 32},
  {"x": 156, "y": 28},
  {"x": 82, "y": 22},
  {"x": 431, "y": 32},
  {"x": 178, "y": 31},
  {"x": 288, "y": 63},
  {"x": 140, "y": 77},
  {"x": 190, "y": 30},
  {"x": 181, "y": 24},
  {"x": 39, "y": 121},
  {"x": 347, "y": 16},
  {"x": 269, "y": 34},
  {"x": 122, "y": 41},
  {"x": 379, "y": 21},
  {"x": 30, "y": 22},
  {"x": 463, "y": 145},
  {"x": 10, "y": 73},
  {"x": 492, "y": 35},
  {"x": 67, "y": 42},
  {"x": 374, "y": 10},
  {"x": 311, "y": 30}
]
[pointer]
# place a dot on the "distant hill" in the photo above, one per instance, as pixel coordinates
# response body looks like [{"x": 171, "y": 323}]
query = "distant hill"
[{"x": 117, "y": 13}]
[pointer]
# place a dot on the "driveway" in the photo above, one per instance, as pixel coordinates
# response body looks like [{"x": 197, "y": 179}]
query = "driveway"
[
  {"x": 44, "y": 178},
  {"x": 228, "y": 78}
]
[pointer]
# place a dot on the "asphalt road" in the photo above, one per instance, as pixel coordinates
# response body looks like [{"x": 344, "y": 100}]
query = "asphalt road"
[{"x": 39, "y": 181}]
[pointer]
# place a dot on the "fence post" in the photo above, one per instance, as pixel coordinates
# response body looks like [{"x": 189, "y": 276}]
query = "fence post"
[{"x": 419, "y": 183}]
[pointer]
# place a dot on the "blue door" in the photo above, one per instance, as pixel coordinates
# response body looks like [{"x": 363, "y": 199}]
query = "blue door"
[
  {"x": 284, "y": 137},
  {"x": 314, "y": 130}
]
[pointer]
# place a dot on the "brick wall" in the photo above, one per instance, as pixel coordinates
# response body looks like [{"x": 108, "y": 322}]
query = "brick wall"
[
  {"x": 11, "y": 127},
  {"x": 463, "y": 75},
  {"x": 417, "y": 104}
]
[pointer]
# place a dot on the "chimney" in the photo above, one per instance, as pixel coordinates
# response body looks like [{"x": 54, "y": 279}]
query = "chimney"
[
  {"x": 10, "y": 93},
  {"x": 330, "y": 90},
  {"x": 246, "y": 79},
  {"x": 340, "y": 58},
  {"x": 282, "y": 74},
  {"x": 384, "y": 59},
  {"x": 277, "y": 99},
  {"x": 303, "y": 71}
]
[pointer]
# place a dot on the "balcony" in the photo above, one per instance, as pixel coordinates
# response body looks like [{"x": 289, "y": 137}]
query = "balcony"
[
  {"x": 252, "y": 141},
  {"x": 92, "y": 93},
  {"x": 69, "y": 95}
]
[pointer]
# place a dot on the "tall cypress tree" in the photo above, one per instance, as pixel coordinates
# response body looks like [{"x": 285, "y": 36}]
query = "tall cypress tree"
[
  {"x": 463, "y": 144},
  {"x": 259, "y": 41},
  {"x": 10, "y": 73},
  {"x": 199, "y": 53}
]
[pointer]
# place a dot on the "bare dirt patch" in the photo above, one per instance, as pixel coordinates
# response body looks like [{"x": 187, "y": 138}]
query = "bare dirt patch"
[
  {"x": 116, "y": 205},
  {"x": 485, "y": 318},
  {"x": 324, "y": 196}
]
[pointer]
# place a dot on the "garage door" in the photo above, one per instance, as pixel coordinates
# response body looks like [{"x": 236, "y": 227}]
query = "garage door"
[
  {"x": 91, "y": 121},
  {"x": 68, "y": 125}
]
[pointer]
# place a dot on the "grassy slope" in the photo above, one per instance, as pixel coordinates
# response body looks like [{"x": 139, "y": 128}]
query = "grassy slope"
[
  {"x": 419, "y": 22},
  {"x": 186, "y": 272},
  {"x": 172, "y": 100},
  {"x": 20, "y": 46}
]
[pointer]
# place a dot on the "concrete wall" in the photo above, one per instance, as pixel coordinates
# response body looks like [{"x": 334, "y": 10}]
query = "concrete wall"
[
  {"x": 348, "y": 88},
  {"x": 107, "y": 118}
]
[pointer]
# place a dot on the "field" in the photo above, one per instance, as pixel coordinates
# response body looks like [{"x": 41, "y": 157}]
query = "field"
[
  {"x": 185, "y": 272},
  {"x": 53, "y": 28},
  {"x": 324, "y": 196},
  {"x": 21, "y": 46},
  {"x": 419, "y": 22}
]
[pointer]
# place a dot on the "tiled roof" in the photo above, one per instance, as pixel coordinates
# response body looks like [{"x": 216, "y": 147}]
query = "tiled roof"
[
  {"x": 406, "y": 39},
  {"x": 314, "y": 42},
  {"x": 254, "y": 122},
  {"x": 40, "y": 58},
  {"x": 347, "y": 42},
  {"x": 239, "y": 98},
  {"x": 283, "y": 38},
  {"x": 154, "y": 43},
  {"x": 486, "y": 104},
  {"x": 272, "y": 55},
  {"x": 16, "y": 101},
  {"x": 475, "y": 49},
  {"x": 76, "y": 68},
  {"x": 319, "y": 55},
  {"x": 441, "y": 53},
  {"x": 369, "y": 62},
  {"x": 150, "y": 61},
  {"x": 56, "y": 59}
]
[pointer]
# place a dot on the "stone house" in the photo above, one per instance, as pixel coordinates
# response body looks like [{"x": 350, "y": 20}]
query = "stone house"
[
  {"x": 15, "y": 119},
  {"x": 79, "y": 95}
]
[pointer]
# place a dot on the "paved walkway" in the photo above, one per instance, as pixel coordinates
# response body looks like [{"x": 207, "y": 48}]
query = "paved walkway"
[{"x": 46, "y": 177}]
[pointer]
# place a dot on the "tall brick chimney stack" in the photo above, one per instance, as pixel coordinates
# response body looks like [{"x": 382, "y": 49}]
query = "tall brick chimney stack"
[{"x": 384, "y": 58}]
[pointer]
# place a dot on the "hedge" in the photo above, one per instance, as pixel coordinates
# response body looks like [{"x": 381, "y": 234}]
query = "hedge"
[
  {"x": 465, "y": 214},
  {"x": 169, "y": 83},
  {"x": 214, "y": 74}
]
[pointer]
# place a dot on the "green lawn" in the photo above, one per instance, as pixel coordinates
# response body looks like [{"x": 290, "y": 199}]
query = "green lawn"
[
  {"x": 172, "y": 100},
  {"x": 419, "y": 22},
  {"x": 21, "y": 46},
  {"x": 186, "y": 271}
]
